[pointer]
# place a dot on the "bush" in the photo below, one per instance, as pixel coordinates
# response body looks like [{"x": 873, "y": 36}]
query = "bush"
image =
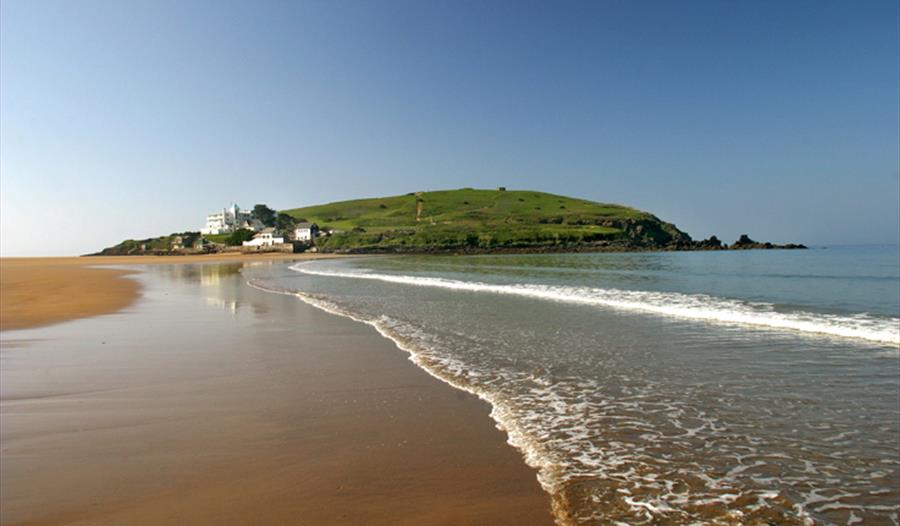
[{"x": 239, "y": 236}]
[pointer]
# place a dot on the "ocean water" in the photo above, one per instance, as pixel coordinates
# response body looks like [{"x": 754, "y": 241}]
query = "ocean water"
[{"x": 758, "y": 387}]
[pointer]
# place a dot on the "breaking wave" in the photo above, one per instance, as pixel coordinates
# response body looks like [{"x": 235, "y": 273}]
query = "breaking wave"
[{"x": 700, "y": 307}]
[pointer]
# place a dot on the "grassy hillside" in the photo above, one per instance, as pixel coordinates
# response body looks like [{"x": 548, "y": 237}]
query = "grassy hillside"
[
  {"x": 483, "y": 219},
  {"x": 151, "y": 245},
  {"x": 464, "y": 220}
]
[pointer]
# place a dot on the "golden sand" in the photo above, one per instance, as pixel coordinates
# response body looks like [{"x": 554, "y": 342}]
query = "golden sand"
[
  {"x": 41, "y": 291},
  {"x": 230, "y": 406}
]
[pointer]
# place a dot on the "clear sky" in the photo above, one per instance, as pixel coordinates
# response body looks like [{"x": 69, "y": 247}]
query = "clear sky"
[{"x": 133, "y": 119}]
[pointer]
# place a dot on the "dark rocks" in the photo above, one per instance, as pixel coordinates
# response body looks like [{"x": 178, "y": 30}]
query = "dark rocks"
[
  {"x": 713, "y": 243},
  {"x": 744, "y": 240},
  {"x": 745, "y": 243}
]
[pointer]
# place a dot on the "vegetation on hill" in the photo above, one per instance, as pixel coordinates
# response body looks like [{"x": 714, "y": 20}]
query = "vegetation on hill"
[
  {"x": 465, "y": 220},
  {"x": 175, "y": 242},
  {"x": 238, "y": 237},
  {"x": 151, "y": 245},
  {"x": 471, "y": 219},
  {"x": 264, "y": 214}
]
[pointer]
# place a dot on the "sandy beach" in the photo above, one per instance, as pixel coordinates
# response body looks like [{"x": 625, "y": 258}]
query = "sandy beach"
[
  {"x": 209, "y": 402},
  {"x": 41, "y": 291}
]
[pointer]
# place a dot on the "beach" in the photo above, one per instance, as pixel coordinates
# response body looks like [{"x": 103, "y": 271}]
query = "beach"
[
  {"x": 675, "y": 388},
  {"x": 41, "y": 291},
  {"x": 659, "y": 388},
  {"x": 188, "y": 397}
]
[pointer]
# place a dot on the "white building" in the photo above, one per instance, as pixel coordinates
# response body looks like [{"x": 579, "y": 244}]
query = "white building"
[
  {"x": 306, "y": 231},
  {"x": 229, "y": 220},
  {"x": 264, "y": 238}
]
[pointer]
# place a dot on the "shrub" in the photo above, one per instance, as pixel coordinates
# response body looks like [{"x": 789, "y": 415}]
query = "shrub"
[{"x": 239, "y": 236}]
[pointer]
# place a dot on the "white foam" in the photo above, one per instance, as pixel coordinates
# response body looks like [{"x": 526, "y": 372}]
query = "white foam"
[
  {"x": 557, "y": 423},
  {"x": 516, "y": 436},
  {"x": 672, "y": 304}
]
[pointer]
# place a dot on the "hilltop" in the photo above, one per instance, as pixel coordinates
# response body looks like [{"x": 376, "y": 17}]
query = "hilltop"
[
  {"x": 470, "y": 219},
  {"x": 465, "y": 220}
]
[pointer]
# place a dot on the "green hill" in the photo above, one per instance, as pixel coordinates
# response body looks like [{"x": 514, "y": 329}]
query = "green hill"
[
  {"x": 465, "y": 220},
  {"x": 469, "y": 219}
]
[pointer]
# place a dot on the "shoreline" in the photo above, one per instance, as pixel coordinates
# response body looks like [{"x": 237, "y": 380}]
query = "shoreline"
[
  {"x": 514, "y": 438},
  {"x": 346, "y": 431},
  {"x": 551, "y": 249},
  {"x": 37, "y": 292}
]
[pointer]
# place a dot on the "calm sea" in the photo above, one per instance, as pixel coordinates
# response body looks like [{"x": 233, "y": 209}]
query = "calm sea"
[{"x": 676, "y": 388}]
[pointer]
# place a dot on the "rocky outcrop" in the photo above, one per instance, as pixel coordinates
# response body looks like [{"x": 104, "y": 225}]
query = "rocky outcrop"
[
  {"x": 745, "y": 243},
  {"x": 649, "y": 231},
  {"x": 713, "y": 243}
]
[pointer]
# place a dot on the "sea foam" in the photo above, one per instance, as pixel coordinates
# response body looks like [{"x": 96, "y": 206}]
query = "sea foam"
[
  {"x": 618, "y": 452},
  {"x": 700, "y": 307}
]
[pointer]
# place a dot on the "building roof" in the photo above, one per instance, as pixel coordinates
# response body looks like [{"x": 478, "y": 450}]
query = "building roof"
[
  {"x": 305, "y": 225},
  {"x": 268, "y": 230}
]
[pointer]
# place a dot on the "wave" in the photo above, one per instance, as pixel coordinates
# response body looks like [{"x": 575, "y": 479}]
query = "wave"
[
  {"x": 699, "y": 307},
  {"x": 599, "y": 452}
]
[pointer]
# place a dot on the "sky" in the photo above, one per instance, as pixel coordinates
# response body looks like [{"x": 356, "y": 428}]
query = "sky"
[{"x": 135, "y": 119}]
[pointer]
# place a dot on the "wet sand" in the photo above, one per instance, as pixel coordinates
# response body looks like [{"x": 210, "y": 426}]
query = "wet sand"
[
  {"x": 208, "y": 402},
  {"x": 42, "y": 291}
]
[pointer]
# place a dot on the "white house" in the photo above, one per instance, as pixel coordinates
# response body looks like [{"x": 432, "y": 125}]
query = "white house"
[
  {"x": 264, "y": 238},
  {"x": 229, "y": 220},
  {"x": 306, "y": 231}
]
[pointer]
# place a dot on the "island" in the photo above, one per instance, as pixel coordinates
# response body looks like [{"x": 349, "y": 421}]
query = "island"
[{"x": 448, "y": 221}]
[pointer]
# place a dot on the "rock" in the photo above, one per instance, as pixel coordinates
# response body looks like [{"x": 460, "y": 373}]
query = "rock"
[
  {"x": 710, "y": 244},
  {"x": 745, "y": 243},
  {"x": 744, "y": 240}
]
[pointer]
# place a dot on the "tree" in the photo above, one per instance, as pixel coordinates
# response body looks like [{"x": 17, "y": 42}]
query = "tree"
[
  {"x": 239, "y": 236},
  {"x": 284, "y": 223},
  {"x": 264, "y": 214}
]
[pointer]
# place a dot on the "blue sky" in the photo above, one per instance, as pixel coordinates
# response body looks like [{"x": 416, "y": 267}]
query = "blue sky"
[{"x": 133, "y": 119}]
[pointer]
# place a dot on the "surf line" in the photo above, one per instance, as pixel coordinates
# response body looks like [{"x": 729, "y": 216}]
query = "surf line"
[
  {"x": 671, "y": 304},
  {"x": 516, "y": 435}
]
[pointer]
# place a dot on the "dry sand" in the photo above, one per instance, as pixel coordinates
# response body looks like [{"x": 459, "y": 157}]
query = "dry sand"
[
  {"x": 41, "y": 291},
  {"x": 209, "y": 402}
]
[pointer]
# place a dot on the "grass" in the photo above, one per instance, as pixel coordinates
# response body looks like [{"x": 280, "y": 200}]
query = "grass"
[
  {"x": 159, "y": 244},
  {"x": 462, "y": 219},
  {"x": 217, "y": 238},
  {"x": 469, "y": 218}
]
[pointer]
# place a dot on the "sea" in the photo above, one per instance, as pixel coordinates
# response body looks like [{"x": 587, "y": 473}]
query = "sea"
[{"x": 728, "y": 387}]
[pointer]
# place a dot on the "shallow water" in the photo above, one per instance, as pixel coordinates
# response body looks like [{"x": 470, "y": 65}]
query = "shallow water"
[{"x": 715, "y": 387}]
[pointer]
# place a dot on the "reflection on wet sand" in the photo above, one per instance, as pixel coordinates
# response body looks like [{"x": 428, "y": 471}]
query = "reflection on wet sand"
[
  {"x": 207, "y": 275},
  {"x": 180, "y": 412}
]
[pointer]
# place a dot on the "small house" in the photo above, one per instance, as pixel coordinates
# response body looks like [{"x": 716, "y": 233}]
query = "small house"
[
  {"x": 264, "y": 238},
  {"x": 306, "y": 232}
]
